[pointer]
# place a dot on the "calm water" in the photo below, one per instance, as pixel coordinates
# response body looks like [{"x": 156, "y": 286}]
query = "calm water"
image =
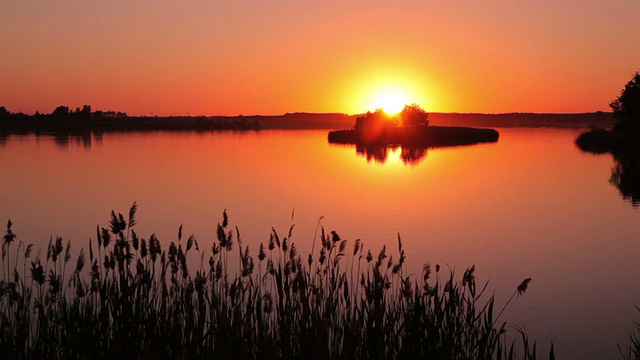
[{"x": 531, "y": 205}]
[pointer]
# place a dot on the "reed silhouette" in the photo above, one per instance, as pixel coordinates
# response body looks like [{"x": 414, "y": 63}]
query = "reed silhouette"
[{"x": 140, "y": 299}]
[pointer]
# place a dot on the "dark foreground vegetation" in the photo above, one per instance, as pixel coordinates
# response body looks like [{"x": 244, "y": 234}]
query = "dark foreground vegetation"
[{"x": 128, "y": 297}]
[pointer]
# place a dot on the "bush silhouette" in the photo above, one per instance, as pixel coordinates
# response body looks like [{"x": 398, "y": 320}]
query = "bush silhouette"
[
  {"x": 413, "y": 115},
  {"x": 626, "y": 108}
]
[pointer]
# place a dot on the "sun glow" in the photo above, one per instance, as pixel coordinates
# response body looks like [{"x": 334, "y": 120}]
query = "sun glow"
[
  {"x": 390, "y": 103},
  {"x": 387, "y": 88}
]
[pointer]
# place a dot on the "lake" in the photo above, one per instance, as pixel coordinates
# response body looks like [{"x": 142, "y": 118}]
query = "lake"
[{"x": 530, "y": 205}]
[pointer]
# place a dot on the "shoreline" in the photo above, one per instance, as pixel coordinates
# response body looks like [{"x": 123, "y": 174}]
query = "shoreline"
[{"x": 18, "y": 123}]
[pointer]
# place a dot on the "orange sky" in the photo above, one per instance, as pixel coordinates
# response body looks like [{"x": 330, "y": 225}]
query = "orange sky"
[{"x": 210, "y": 57}]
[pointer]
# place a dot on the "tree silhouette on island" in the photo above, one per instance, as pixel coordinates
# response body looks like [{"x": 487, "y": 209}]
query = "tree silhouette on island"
[
  {"x": 375, "y": 132},
  {"x": 412, "y": 116},
  {"x": 626, "y": 108}
]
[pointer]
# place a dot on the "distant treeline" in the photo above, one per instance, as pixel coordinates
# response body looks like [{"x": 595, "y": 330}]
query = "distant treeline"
[
  {"x": 343, "y": 121},
  {"x": 301, "y": 120},
  {"x": 584, "y": 120},
  {"x": 62, "y": 119},
  {"x": 333, "y": 121},
  {"x": 80, "y": 119}
]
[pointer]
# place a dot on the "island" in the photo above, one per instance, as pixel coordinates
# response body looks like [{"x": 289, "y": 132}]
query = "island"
[{"x": 408, "y": 128}]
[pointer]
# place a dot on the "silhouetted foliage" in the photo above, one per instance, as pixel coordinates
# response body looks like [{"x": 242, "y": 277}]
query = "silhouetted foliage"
[
  {"x": 373, "y": 126},
  {"x": 373, "y": 120},
  {"x": 413, "y": 115},
  {"x": 61, "y": 111},
  {"x": 626, "y": 108},
  {"x": 4, "y": 113}
]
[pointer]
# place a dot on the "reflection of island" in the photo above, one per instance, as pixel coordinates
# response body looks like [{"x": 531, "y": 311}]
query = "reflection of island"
[
  {"x": 375, "y": 132},
  {"x": 380, "y": 154}
]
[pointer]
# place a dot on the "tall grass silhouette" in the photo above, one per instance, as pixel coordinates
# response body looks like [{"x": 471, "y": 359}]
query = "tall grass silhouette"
[{"x": 132, "y": 298}]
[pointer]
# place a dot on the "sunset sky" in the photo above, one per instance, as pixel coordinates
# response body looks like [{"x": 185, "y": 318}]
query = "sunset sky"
[{"x": 212, "y": 57}]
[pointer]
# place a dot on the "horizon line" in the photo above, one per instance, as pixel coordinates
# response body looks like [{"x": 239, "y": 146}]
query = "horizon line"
[{"x": 152, "y": 114}]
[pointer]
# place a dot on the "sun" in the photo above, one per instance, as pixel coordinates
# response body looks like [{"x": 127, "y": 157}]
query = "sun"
[{"x": 390, "y": 103}]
